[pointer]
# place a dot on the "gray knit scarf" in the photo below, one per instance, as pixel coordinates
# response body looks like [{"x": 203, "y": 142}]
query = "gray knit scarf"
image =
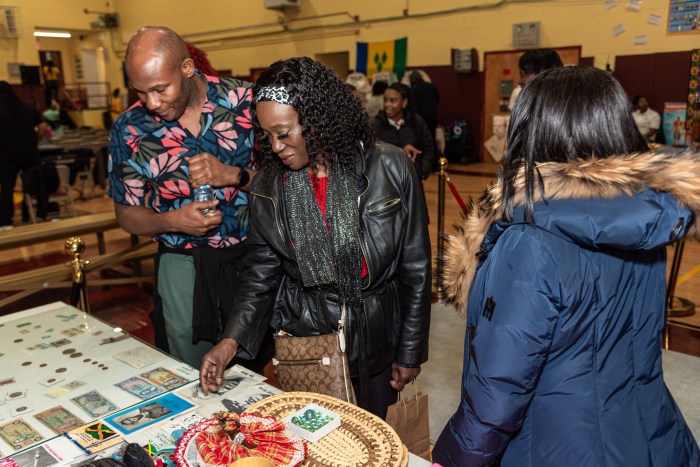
[{"x": 333, "y": 258}]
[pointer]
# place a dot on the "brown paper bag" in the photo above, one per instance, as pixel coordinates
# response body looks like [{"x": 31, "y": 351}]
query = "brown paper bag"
[{"x": 409, "y": 418}]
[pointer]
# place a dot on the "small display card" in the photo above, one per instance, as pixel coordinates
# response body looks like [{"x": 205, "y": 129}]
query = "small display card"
[{"x": 312, "y": 422}]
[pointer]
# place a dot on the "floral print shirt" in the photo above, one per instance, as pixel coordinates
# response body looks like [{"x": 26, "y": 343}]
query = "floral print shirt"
[{"x": 147, "y": 165}]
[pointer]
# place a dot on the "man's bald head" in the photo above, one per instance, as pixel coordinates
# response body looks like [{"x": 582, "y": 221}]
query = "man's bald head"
[
  {"x": 157, "y": 41},
  {"x": 163, "y": 74}
]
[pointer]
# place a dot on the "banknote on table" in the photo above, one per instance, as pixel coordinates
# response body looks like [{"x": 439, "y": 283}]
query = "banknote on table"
[
  {"x": 139, "y": 357},
  {"x": 140, "y": 388},
  {"x": 74, "y": 385},
  {"x": 59, "y": 420},
  {"x": 55, "y": 393},
  {"x": 165, "y": 378},
  {"x": 95, "y": 404},
  {"x": 19, "y": 434},
  {"x": 186, "y": 371},
  {"x": 60, "y": 342}
]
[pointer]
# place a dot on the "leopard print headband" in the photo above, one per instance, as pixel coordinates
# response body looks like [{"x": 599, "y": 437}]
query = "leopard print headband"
[{"x": 272, "y": 93}]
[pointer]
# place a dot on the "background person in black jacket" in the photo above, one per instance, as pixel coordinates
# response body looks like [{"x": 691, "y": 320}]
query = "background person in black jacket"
[
  {"x": 398, "y": 125},
  {"x": 335, "y": 218},
  {"x": 20, "y": 128},
  {"x": 424, "y": 100}
]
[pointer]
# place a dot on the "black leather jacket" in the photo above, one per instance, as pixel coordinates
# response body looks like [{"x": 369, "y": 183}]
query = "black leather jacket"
[
  {"x": 393, "y": 323},
  {"x": 415, "y": 132}
]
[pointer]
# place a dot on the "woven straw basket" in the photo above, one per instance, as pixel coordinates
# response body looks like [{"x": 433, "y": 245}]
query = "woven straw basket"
[{"x": 363, "y": 439}]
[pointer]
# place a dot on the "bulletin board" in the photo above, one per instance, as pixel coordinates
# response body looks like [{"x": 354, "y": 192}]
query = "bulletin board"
[
  {"x": 502, "y": 66},
  {"x": 683, "y": 16}
]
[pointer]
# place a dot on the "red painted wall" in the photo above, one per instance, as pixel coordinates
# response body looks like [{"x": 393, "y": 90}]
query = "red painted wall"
[
  {"x": 661, "y": 77},
  {"x": 461, "y": 97}
]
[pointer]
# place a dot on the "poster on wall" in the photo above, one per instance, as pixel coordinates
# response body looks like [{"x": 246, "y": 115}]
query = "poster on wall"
[
  {"x": 496, "y": 144},
  {"x": 674, "y": 123},
  {"x": 692, "y": 119},
  {"x": 683, "y": 15}
]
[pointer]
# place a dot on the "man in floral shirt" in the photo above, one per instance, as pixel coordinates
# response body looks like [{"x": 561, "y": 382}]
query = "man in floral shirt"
[{"x": 186, "y": 131}]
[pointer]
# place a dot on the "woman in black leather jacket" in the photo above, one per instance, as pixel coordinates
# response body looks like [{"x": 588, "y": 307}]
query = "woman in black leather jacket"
[{"x": 335, "y": 218}]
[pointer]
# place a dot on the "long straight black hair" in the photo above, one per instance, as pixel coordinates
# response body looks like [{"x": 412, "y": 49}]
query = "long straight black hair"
[{"x": 563, "y": 114}]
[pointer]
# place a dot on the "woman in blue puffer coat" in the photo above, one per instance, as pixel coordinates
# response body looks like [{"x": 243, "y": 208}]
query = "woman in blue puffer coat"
[{"x": 562, "y": 267}]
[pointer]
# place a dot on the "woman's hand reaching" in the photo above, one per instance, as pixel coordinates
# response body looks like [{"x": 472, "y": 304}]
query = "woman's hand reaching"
[{"x": 211, "y": 373}]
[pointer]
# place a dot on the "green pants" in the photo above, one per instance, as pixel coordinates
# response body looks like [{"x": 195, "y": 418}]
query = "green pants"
[{"x": 176, "y": 275}]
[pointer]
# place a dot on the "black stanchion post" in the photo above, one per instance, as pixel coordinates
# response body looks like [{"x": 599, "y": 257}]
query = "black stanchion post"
[
  {"x": 439, "y": 292},
  {"x": 79, "y": 297}
]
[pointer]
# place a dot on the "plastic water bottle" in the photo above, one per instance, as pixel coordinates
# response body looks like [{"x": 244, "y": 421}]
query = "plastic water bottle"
[{"x": 205, "y": 193}]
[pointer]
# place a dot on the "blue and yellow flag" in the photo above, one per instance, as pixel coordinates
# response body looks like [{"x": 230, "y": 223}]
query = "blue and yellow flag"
[{"x": 373, "y": 57}]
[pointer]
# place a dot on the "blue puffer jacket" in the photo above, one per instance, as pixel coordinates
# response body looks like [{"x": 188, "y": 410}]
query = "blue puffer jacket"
[{"x": 562, "y": 357}]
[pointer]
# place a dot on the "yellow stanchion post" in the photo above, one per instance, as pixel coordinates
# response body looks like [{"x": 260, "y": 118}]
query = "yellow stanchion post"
[
  {"x": 438, "y": 291},
  {"x": 79, "y": 296}
]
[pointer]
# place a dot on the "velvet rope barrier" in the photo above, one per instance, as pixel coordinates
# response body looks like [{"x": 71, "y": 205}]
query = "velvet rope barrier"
[
  {"x": 457, "y": 196},
  {"x": 443, "y": 179}
]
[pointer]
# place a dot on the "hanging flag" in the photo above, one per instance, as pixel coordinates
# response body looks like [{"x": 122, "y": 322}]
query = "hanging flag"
[{"x": 373, "y": 57}]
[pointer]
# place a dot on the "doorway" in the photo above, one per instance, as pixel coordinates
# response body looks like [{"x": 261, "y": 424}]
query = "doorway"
[{"x": 52, "y": 87}]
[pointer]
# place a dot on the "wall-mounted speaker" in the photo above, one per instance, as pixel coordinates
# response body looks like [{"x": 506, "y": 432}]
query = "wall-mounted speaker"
[{"x": 526, "y": 35}]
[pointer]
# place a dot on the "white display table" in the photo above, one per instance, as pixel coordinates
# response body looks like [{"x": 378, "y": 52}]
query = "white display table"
[{"x": 63, "y": 370}]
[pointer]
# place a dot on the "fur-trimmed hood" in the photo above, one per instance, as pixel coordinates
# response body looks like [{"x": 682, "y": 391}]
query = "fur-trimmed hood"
[{"x": 590, "y": 179}]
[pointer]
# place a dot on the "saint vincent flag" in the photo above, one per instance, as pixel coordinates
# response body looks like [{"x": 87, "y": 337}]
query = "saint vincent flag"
[{"x": 373, "y": 57}]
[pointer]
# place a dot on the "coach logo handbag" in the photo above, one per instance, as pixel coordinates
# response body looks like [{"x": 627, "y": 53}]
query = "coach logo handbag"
[{"x": 315, "y": 363}]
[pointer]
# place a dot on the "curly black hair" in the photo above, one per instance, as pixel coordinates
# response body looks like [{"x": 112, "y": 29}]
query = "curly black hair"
[
  {"x": 333, "y": 121},
  {"x": 402, "y": 89}
]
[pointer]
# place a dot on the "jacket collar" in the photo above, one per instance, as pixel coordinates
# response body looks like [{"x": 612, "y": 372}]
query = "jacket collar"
[
  {"x": 407, "y": 116},
  {"x": 270, "y": 184},
  {"x": 678, "y": 175}
]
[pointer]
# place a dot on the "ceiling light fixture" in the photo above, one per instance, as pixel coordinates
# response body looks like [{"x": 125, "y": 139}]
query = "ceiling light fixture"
[{"x": 63, "y": 34}]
